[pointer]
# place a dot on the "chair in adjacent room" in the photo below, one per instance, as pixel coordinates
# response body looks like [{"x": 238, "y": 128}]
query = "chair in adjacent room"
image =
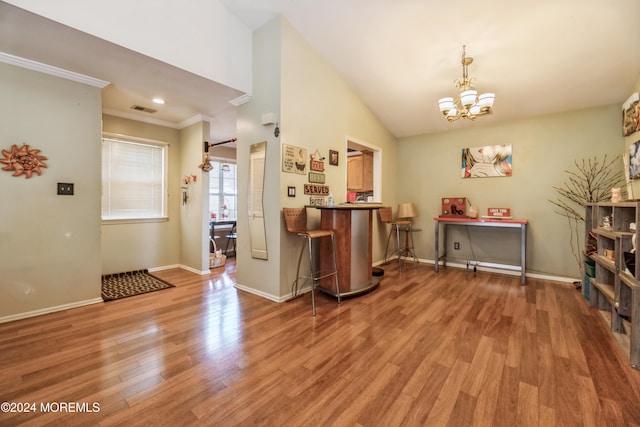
[
  {"x": 296, "y": 222},
  {"x": 231, "y": 237}
]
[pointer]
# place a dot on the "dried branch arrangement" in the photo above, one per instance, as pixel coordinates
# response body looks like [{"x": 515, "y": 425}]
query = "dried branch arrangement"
[{"x": 590, "y": 183}]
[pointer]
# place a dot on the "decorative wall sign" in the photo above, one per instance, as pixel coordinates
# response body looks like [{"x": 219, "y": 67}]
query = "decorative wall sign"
[
  {"x": 631, "y": 115},
  {"x": 499, "y": 212},
  {"x": 23, "y": 160},
  {"x": 487, "y": 161},
  {"x": 316, "y": 178},
  {"x": 316, "y": 200},
  {"x": 291, "y": 191},
  {"x": 317, "y": 166},
  {"x": 317, "y": 162},
  {"x": 316, "y": 189},
  {"x": 294, "y": 159}
]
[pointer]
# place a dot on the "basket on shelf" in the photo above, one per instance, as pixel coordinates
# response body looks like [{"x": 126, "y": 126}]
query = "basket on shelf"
[{"x": 216, "y": 258}]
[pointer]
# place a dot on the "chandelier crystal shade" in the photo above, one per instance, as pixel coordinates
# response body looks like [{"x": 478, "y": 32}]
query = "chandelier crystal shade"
[{"x": 468, "y": 103}]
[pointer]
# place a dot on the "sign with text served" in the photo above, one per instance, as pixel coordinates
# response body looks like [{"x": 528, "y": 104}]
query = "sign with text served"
[{"x": 316, "y": 189}]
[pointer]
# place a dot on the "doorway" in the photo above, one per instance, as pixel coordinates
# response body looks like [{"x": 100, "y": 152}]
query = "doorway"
[{"x": 364, "y": 161}]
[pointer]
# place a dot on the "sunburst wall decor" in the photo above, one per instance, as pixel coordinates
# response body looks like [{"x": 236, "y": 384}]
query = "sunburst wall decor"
[{"x": 23, "y": 160}]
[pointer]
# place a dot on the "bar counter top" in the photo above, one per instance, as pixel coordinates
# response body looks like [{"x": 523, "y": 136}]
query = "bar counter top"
[{"x": 351, "y": 206}]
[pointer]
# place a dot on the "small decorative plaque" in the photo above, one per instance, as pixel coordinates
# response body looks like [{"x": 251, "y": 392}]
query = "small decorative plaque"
[
  {"x": 316, "y": 178},
  {"x": 499, "y": 212}
]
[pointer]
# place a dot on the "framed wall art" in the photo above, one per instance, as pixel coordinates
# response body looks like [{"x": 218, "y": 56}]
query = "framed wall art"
[
  {"x": 487, "y": 161},
  {"x": 634, "y": 160},
  {"x": 294, "y": 159},
  {"x": 333, "y": 158},
  {"x": 631, "y": 115}
]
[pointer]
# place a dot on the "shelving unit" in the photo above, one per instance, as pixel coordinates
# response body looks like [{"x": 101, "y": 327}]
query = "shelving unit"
[{"x": 613, "y": 290}]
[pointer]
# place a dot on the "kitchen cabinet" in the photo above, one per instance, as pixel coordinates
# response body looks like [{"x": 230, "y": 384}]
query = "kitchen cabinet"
[{"x": 360, "y": 172}]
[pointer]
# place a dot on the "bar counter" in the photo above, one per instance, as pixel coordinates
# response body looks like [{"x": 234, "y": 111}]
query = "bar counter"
[{"x": 352, "y": 223}]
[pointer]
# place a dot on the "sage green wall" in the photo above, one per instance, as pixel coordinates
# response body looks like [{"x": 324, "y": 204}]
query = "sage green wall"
[
  {"x": 140, "y": 245},
  {"x": 543, "y": 149},
  {"x": 49, "y": 244}
]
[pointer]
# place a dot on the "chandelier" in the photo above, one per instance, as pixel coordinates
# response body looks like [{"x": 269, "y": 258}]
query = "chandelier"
[{"x": 467, "y": 104}]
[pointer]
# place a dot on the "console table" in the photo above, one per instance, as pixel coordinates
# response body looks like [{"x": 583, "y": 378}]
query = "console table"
[{"x": 497, "y": 223}]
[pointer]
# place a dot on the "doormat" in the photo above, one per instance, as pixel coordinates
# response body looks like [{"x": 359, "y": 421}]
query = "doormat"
[{"x": 123, "y": 285}]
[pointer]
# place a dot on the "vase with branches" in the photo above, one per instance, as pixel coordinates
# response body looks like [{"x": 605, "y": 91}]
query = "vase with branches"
[{"x": 590, "y": 182}]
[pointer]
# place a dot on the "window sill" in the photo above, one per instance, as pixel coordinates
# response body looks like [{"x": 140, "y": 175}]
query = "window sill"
[{"x": 133, "y": 220}]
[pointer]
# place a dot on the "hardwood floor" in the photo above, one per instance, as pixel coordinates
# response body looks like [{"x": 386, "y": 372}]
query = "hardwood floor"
[{"x": 453, "y": 348}]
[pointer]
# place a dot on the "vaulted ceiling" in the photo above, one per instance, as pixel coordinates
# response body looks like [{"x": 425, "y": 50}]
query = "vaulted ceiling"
[{"x": 400, "y": 57}]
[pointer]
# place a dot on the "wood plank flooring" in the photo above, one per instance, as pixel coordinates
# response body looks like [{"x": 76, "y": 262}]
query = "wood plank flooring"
[{"x": 424, "y": 349}]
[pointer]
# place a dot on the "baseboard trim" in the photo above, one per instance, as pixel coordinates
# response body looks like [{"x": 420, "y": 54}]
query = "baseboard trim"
[
  {"x": 48, "y": 310},
  {"x": 182, "y": 266},
  {"x": 541, "y": 276},
  {"x": 253, "y": 291}
]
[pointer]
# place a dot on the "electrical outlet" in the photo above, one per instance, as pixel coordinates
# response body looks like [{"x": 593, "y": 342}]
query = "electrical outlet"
[
  {"x": 456, "y": 246},
  {"x": 65, "y": 189}
]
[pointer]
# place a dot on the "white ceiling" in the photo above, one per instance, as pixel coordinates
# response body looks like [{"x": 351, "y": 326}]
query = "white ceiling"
[{"x": 399, "y": 56}]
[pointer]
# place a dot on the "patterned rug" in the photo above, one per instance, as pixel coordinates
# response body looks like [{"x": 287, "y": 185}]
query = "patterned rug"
[{"x": 123, "y": 285}]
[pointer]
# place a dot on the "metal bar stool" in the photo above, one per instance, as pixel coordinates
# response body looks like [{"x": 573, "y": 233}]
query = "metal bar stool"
[{"x": 296, "y": 221}]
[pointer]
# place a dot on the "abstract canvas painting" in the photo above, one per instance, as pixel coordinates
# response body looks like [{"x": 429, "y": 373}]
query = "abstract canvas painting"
[{"x": 487, "y": 161}]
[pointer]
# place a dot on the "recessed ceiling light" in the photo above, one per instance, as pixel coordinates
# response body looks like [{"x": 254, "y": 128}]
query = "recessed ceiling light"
[{"x": 158, "y": 101}]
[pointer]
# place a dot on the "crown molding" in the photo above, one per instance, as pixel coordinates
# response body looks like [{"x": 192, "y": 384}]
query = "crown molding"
[
  {"x": 139, "y": 118},
  {"x": 242, "y": 99},
  {"x": 51, "y": 70},
  {"x": 195, "y": 119}
]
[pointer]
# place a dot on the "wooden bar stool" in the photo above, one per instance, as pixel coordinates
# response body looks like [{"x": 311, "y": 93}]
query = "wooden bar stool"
[
  {"x": 296, "y": 221},
  {"x": 400, "y": 225}
]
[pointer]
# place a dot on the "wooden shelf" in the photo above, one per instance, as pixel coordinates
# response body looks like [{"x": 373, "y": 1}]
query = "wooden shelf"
[
  {"x": 605, "y": 262},
  {"x": 628, "y": 280},
  {"x": 608, "y": 291},
  {"x": 613, "y": 291}
]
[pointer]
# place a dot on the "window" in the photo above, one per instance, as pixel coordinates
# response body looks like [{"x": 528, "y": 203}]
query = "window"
[
  {"x": 134, "y": 179},
  {"x": 223, "y": 193}
]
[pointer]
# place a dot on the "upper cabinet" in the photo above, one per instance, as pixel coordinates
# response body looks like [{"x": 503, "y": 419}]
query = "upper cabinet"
[{"x": 360, "y": 172}]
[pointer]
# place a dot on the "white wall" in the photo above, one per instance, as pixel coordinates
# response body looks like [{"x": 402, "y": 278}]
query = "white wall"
[
  {"x": 319, "y": 112},
  {"x": 49, "y": 244},
  {"x": 257, "y": 275},
  {"x": 194, "y": 215},
  {"x": 543, "y": 149},
  {"x": 200, "y": 36},
  {"x": 315, "y": 110}
]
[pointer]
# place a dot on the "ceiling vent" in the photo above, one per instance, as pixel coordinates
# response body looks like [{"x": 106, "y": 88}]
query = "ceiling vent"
[{"x": 145, "y": 109}]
